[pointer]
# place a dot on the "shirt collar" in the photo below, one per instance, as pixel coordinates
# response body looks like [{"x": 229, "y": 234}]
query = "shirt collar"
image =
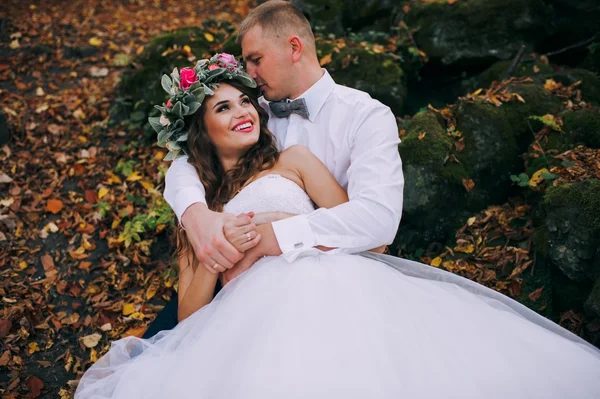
[{"x": 316, "y": 95}]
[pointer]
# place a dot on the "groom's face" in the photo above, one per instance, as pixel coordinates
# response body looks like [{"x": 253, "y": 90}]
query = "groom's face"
[{"x": 268, "y": 63}]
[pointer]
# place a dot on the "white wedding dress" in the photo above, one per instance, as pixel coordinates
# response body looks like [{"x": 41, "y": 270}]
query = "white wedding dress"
[{"x": 348, "y": 326}]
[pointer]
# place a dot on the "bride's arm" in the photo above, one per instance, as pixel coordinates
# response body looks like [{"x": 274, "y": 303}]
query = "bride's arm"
[
  {"x": 319, "y": 183},
  {"x": 196, "y": 286}
]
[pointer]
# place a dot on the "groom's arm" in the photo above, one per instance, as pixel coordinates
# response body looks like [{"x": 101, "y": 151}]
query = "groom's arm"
[
  {"x": 185, "y": 194},
  {"x": 375, "y": 188}
]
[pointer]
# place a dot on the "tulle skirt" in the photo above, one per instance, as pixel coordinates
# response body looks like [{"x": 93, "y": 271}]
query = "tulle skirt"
[{"x": 350, "y": 326}]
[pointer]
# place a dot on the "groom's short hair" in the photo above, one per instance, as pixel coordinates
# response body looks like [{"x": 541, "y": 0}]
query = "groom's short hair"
[{"x": 280, "y": 18}]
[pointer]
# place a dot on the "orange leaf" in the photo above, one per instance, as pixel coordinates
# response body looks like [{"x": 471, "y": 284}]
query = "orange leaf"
[
  {"x": 469, "y": 184},
  {"x": 535, "y": 295},
  {"x": 325, "y": 60},
  {"x": 54, "y": 206},
  {"x": 134, "y": 332},
  {"x": 422, "y": 135}
]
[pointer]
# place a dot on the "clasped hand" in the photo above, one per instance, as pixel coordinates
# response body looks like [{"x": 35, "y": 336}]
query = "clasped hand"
[{"x": 229, "y": 244}]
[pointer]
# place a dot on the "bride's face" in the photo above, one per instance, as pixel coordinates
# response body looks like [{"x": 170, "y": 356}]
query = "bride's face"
[{"x": 231, "y": 121}]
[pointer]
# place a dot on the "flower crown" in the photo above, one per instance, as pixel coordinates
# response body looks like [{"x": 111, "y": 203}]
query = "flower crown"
[{"x": 187, "y": 90}]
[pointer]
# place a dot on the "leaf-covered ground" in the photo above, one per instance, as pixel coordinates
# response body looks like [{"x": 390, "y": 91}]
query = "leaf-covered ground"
[
  {"x": 75, "y": 195},
  {"x": 84, "y": 231}
]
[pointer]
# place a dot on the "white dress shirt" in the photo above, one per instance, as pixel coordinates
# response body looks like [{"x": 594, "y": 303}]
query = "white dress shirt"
[{"x": 356, "y": 137}]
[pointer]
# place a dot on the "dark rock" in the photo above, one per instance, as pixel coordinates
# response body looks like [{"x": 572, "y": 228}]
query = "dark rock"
[
  {"x": 592, "y": 304},
  {"x": 572, "y": 22},
  {"x": 573, "y": 228},
  {"x": 339, "y": 16},
  {"x": 4, "y": 129},
  {"x": 479, "y": 31}
]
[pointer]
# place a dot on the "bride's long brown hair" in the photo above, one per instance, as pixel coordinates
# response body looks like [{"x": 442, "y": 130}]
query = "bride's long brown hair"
[{"x": 221, "y": 185}]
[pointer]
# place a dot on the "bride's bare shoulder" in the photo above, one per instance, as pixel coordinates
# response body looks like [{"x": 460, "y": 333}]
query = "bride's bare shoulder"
[{"x": 296, "y": 153}]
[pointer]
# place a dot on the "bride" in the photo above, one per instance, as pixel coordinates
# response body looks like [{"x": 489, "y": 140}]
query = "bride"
[{"x": 322, "y": 326}]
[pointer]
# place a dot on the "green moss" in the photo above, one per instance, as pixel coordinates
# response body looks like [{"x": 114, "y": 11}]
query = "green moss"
[
  {"x": 432, "y": 149},
  {"x": 583, "y": 196},
  {"x": 582, "y": 126},
  {"x": 379, "y": 74}
]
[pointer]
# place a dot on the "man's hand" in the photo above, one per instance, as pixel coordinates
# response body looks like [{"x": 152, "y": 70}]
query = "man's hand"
[
  {"x": 267, "y": 246},
  {"x": 204, "y": 229}
]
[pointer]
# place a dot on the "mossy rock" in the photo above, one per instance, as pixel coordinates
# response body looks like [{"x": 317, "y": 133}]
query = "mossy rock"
[
  {"x": 498, "y": 70},
  {"x": 479, "y": 31},
  {"x": 140, "y": 87},
  {"x": 573, "y": 228},
  {"x": 580, "y": 127},
  {"x": 495, "y": 137},
  {"x": 378, "y": 74},
  {"x": 432, "y": 184},
  {"x": 590, "y": 82}
]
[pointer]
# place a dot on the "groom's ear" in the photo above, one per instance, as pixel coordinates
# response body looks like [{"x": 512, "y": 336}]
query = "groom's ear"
[{"x": 296, "y": 47}]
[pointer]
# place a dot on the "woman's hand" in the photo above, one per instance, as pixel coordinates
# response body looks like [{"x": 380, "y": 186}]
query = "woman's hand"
[{"x": 241, "y": 232}]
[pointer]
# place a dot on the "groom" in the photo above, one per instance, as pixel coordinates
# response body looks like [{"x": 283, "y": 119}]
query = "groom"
[{"x": 355, "y": 136}]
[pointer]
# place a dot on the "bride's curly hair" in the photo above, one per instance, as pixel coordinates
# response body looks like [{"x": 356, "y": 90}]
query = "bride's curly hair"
[{"x": 221, "y": 185}]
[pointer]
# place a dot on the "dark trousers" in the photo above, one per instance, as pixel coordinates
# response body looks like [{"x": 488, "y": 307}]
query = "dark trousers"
[{"x": 167, "y": 318}]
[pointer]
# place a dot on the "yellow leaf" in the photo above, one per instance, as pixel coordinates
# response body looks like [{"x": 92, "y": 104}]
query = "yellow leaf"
[
  {"x": 187, "y": 49},
  {"x": 94, "y": 41},
  {"x": 135, "y": 176},
  {"x": 448, "y": 265},
  {"x": 93, "y": 356},
  {"x": 159, "y": 155},
  {"x": 209, "y": 37},
  {"x": 422, "y": 135},
  {"x": 32, "y": 348},
  {"x": 147, "y": 185},
  {"x": 325, "y": 60},
  {"x": 537, "y": 177},
  {"x": 22, "y": 265},
  {"x": 465, "y": 247},
  {"x": 113, "y": 179},
  {"x": 102, "y": 192},
  {"x": 436, "y": 261},
  {"x": 477, "y": 92},
  {"x": 128, "y": 309},
  {"x": 137, "y": 316},
  {"x": 115, "y": 223},
  {"x": 471, "y": 220}
]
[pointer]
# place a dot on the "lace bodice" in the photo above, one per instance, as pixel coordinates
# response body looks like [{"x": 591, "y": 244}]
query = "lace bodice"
[{"x": 271, "y": 193}]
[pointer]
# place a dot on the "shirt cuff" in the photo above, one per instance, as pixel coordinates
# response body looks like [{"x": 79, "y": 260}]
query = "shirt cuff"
[{"x": 294, "y": 236}]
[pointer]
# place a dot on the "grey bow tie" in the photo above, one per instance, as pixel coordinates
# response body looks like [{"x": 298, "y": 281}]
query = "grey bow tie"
[{"x": 283, "y": 109}]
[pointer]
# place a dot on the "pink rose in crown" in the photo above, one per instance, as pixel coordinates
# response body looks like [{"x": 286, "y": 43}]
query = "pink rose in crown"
[
  {"x": 169, "y": 103},
  {"x": 226, "y": 59},
  {"x": 187, "y": 77},
  {"x": 212, "y": 67}
]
